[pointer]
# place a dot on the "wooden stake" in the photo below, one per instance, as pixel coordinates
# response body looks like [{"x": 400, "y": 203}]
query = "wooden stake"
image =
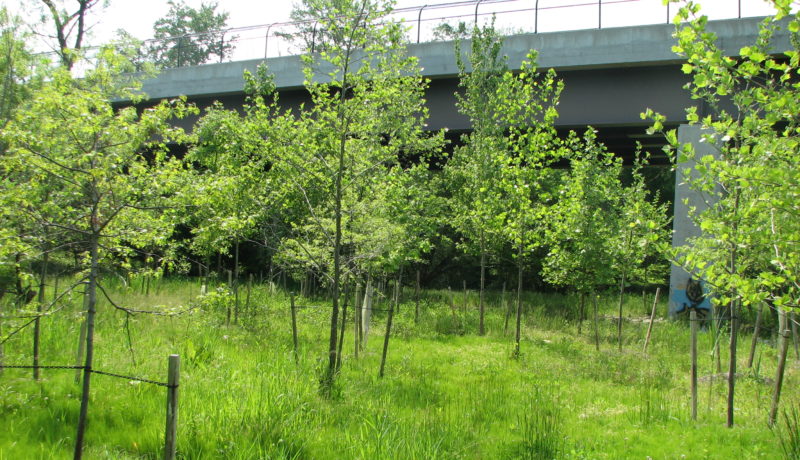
[
  {"x": 784, "y": 334},
  {"x": 247, "y": 297},
  {"x": 756, "y": 332},
  {"x": 652, "y": 318},
  {"x": 37, "y": 323},
  {"x": 294, "y": 327},
  {"x": 621, "y": 298},
  {"x": 596, "y": 332},
  {"x": 793, "y": 321},
  {"x": 228, "y": 306},
  {"x": 416, "y": 300},
  {"x": 503, "y": 304},
  {"x": 357, "y": 321},
  {"x": 693, "y": 351},
  {"x": 386, "y": 339},
  {"x": 173, "y": 382}
]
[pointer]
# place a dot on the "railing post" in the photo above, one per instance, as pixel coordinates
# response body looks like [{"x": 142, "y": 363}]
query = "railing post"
[
  {"x": 266, "y": 40},
  {"x": 419, "y": 21},
  {"x": 314, "y": 37},
  {"x": 536, "y": 18},
  {"x": 173, "y": 380},
  {"x": 599, "y": 14}
]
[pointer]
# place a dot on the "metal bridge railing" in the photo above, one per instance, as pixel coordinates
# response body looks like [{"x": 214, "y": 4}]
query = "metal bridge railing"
[{"x": 424, "y": 23}]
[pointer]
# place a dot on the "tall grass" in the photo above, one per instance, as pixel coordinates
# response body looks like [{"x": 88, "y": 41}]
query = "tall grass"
[{"x": 448, "y": 393}]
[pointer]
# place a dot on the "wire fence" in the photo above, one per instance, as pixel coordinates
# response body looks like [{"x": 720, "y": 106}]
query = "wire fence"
[{"x": 93, "y": 371}]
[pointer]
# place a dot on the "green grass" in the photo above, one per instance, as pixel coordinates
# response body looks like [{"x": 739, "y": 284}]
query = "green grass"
[{"x": 447, "y": 393}]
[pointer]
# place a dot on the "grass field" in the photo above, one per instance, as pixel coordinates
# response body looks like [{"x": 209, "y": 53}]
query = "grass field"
[{"x": 447, "y": 394}]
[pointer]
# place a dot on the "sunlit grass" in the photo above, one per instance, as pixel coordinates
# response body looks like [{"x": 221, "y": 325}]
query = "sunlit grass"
[{"x": 448, "y": 393}]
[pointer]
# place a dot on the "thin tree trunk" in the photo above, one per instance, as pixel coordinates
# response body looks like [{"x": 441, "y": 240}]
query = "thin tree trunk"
[
  {"x": 416, "y": 300},
  {"x": 519, "y": 301},
  {"x": 580, "y": 311},
  {"x": 344, "y": 324},
  {"x": 236, "y": 283},
  {"x": 732, "y": 364},
  {"x": 596, "y": 331},
  {"x": 37, "y": 322},
  {"x": 506, "y": 307},
  {"x": 481, "y": 327},
  {"x": 652, "y": 318},
  {"x": 756, "y": 332},
  {"x": 87, "y": 367},
  {"x": 621, "y": 299},
  {"x": 793, "y": 321},
  {"x": 784, "y": 333},
  {"x": 357, "y": 318}
]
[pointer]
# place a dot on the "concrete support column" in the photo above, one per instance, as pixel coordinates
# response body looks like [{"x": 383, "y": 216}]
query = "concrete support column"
[{"x": 684, "y": 291}]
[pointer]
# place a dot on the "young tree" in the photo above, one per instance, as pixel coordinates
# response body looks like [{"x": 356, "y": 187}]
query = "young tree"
[
  {"x": 473, "y": 172},
  {"x": 366, "y": 108},
  {"x": 105, "y": 171},
  {"x": 188, "y": 36},
  {"x": 748, "y": 250},
  {"x": 527, "y": 180}
]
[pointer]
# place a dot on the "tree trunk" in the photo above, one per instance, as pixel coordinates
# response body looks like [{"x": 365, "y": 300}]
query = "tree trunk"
[
  {"x": 519, "y": 301},
  {"x": 596, "y": 331},
  {"x": 235, "y": 286},
  {"x": 37, "y": 322},
  {"x": 481, "y": 327},
  {"x": 783, "y": 333},
  {"x": 357, "y": 315},
  {"x": 507, "y": 308},
  {"x": 580, "y": 311},
  {"x": 756, "y": 332},
  {"x": 344, "y": 323},
  {"x": 416, "y": 300},
  {"x": 619, "y": 321},
  {"x": 366, "y": 312},
  {"x": 732, "y": 364},
  {"x": 87, "y": 367}
]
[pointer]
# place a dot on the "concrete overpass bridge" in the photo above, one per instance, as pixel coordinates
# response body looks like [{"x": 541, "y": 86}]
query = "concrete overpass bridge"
[{"x": 610, "y": 77}]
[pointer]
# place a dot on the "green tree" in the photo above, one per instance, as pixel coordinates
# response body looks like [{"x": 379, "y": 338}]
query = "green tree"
[
  {"x": 527, "y": 180},
  {"x": 366, "y": 108},
  {"x": 748, "y": 250},
  {"x": 90, "y": 178},
  {"x": 188, "y": 36},
  {"x": 473, "y": 172}
]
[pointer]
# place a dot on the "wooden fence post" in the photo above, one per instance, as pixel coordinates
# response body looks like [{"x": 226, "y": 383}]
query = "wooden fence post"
[
  {"x": 294, "y": 327},
  {"x": 652, "y": 318},
  {"x": 386, "y": 339},
  {"x": 173, "y": 381},
  {"x": 693, "y": 351}
]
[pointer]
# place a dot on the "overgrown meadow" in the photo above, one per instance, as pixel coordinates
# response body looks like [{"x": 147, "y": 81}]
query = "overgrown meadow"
[{"x": 447, "y": 393}]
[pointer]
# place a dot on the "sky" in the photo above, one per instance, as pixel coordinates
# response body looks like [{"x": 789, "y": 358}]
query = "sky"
[{"x": 137, "y": 16}]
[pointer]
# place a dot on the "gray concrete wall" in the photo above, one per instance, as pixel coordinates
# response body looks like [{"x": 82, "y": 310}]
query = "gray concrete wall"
[
  {"x": 581, "y": 49},
  {"x": 687, "y": 203}
]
